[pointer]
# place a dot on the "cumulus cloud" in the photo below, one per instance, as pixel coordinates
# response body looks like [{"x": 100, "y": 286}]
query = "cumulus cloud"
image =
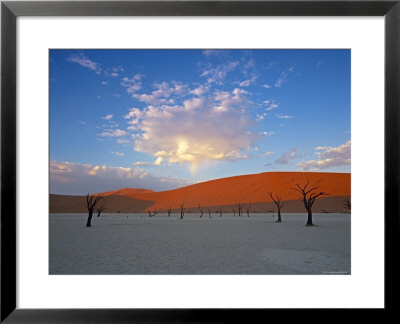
[
  {"x": 114, "y": 71},
  {"x": 132, "y": 84},
  {"x": 216, "y": 74},
  {"x": 200, "y": 129},
  {"x": 287, "y": 157},
  {"x": 114, "y": 133},
  {"x": 328, "y": 157},
  {"x": 82, "y": 60},
  {"x": 77, "y": 178},
  {"x": 107, "y": 117},
  {"x": 163, "y": 91}
]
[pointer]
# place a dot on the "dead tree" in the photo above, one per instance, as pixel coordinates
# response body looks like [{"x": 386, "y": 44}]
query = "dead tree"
[
  {"x": 308, "y": 196},
  {"x": 182, "y": 210},
  {"x": 279, "y": 204},
  {"x": 91, "y": 202},
  {"x": 234, "y": 212},
  {"x": 100, "y": 210},
  {"x": 347, "y": 205},
  {"x": 169, "y": 211},
  {"x": 152, "y": 214},
  {"x": 209, "y": 212},
  {"x": 240, "y": 209},
  {"x": 248, "y": 210},
  {"x": 201, "y": 211},
  {"x": 220, "y": 212}
]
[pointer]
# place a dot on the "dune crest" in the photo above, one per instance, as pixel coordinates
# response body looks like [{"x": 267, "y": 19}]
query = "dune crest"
[{"x": 245, "y": 188}]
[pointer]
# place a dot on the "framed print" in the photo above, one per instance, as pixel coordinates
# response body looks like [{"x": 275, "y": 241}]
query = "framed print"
[{"x": 243, "y": 155}]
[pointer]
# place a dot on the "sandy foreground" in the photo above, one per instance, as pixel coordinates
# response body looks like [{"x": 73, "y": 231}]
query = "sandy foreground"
[{"x": 137, "y": 244}]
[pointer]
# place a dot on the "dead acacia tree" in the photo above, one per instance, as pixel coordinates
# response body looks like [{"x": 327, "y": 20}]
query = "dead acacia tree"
[
  {"x": 201, "y": 211},
  {"x": 182, "y": 210},
  {"x": 240, "y": 208},
  {"x": 220, "y": 212},
  {"x": 100, "y": 210},
  {"x": 152, "y": 214},
  {"x": 209, "y": 212},
  {"x": 279, "y": 204},
  {"x": 91, "y": 202},
  {"x": 169, "y": 211},
  {"x": 308, "y": 196},
  {"x": 234, "y": 212},
  {"x": 347, "y": 204},
  {"x": 248, "y": 210}
]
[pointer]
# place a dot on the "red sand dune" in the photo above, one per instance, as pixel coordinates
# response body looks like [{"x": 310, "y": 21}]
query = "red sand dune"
[{"x": 252, "y": 188}]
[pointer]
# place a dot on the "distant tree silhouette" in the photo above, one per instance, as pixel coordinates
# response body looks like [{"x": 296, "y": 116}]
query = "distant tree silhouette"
[
  {"x": 209, "y": 212},
  {"x": 240, "y": 208},
  {"x": 308, "y": 196},
  {"x": 182, "y": 210},
  {"x": 220, "y": 212},
  {"x": 91, "y": 202},
  {"x": 169, "y": 211},
  {"x": 279, "y": 204},
  {"x": 347, "y": 204},
  {"x": 152, "y": 214},
  {"x": 100, "y": 210},
  {"x": 201, "y": 211},
  {"x": 248, "y": 209},
  {"x": 234, "y": 212}
]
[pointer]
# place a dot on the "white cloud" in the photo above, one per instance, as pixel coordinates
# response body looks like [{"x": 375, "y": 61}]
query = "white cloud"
[
  {"x": 267, "y": 86},
  {"x": 284, "y": 76},
  {"x": 158, "y": 161},
  {"x": 210, "y": 52},
  {"x": 114, "y": 72},
  {"x": 82, "y": 60},
  {"x": 122, "y": 141},
  {"x": 132, "y": 84},
  {"x": 266, "y": 154},
  {"x": 140, "y": 163},
  {"x": 287, "y": 157},
  {"x": 270, "y": 105},
  {"x": 280, "y": 116},
  {"x": 118, "y": 153},
  {"x": 114, "y": 133},
  {"x": 78, "y": 178},
  {"x": 107, "y": 117},
  {"x": 218, "y": 73},
  {"x": 329, "y": 157},
  {"x": 203, "y": 128},
  {"x": 162, "y": 92}
]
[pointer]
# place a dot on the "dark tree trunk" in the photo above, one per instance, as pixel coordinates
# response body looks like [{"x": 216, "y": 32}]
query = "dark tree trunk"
[
  {"x": 89, "y": 220},
  {"x": 98, "y": 214},
  {"x": 309, "y": 219},
  {"x": 279, "y": 216}
]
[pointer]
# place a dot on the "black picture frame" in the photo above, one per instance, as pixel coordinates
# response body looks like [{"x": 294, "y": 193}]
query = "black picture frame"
[{"x": 10, "y": 10}]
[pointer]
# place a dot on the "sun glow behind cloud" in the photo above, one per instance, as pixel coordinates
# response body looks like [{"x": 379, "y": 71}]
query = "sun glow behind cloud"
[{"x": 206, "y": 127}]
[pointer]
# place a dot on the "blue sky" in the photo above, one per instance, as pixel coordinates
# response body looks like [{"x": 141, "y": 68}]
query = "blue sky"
[{"x": 162, "y": 119}]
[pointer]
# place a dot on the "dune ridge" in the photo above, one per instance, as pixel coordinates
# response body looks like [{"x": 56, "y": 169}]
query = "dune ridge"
[{"x": 230, "y": 191}]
